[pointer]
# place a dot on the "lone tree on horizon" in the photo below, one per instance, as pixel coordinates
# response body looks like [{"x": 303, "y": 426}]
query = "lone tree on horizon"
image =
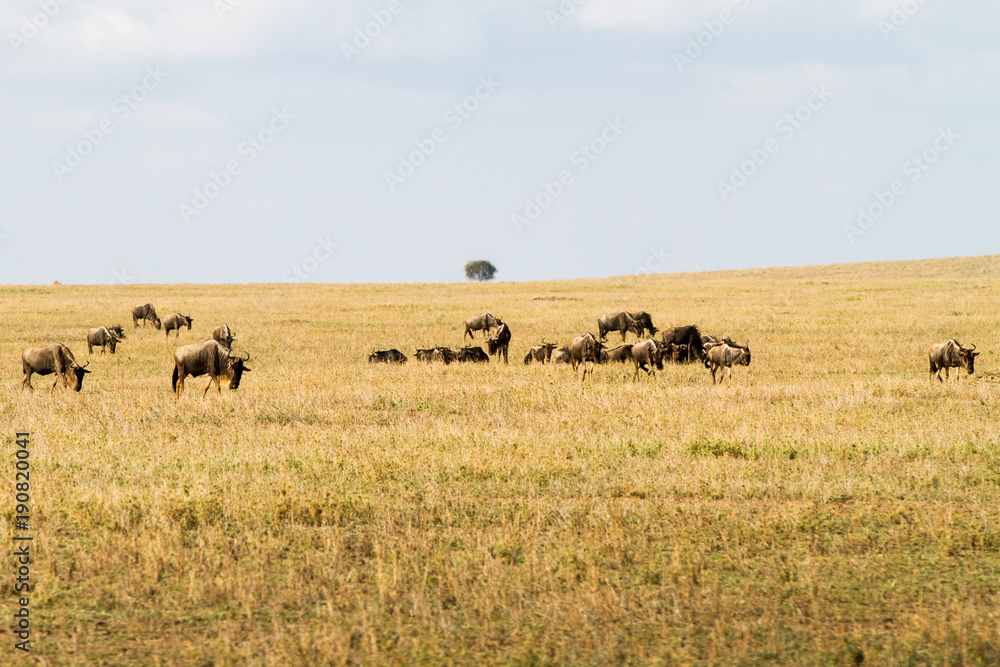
[{"x": 480, "y": 269}]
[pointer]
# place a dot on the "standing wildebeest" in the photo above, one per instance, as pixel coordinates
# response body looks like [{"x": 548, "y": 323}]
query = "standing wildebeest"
[
  {"x": 223, "y": 334},
  {"x": 724, "y": 356},
  {"x": 55, "y": 358},
  {"x": 146, "y": 313},
  {"x": 176, "y": 321},
  {"x": 484, "y": 321},
  {"x": 620, "y": 321},
  {"x": 689, "y": 336},
  {"x": 210, "y": 358},
  {"x": 499, "y": 341},
  {"x": 473, "y": 354},
  {"x": 645, "y": 356},
  {"x": 951, "y": 355},
  {"x": 540, "y": 353},
  {"x": 644, "y": 323},
  {"x": 102, "y": 336},
  {"x": 583, "y": 351},
  {"x": 392, "y": 356}
]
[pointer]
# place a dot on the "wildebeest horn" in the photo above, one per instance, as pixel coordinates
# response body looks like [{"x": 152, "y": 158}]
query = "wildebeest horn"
[
  {"x": 247, "y": 358},
  {"x": 85, "y": 365},
  {"x": 972, "y": 348}
]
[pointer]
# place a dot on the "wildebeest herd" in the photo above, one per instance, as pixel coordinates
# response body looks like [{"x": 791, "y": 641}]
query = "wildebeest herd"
[
  {"x": 213, "y": 357},
  {"x": 677, "y": 345}
]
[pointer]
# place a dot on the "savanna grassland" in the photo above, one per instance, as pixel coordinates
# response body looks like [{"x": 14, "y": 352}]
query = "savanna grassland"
[{"x": 830, "y": 506}]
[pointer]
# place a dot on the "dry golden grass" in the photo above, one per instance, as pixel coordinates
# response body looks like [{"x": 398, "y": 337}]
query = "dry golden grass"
[{"x": 830, "y": 506}]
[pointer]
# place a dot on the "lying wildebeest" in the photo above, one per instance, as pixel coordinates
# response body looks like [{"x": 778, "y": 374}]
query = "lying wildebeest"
[
  {"x": 55, "y": 358},
  {"x": 689, "y": 336},
  {"x": 392, "y": 356},
  {"x": 499, "y": 341},
  {"x": 951, "y": 354},
  {"x": 585, "y": 351},
  {"x": 176, "y": 321},
  {"x": 540, "y": 353},
  {"x": 478, "y": 323},
  {"x": 146, "y": 313},
  {"x": 104, "y": 337},
  {"x": 561, "y": 355},
  {"x": 621, "y": 354},
  {"x": 211, "y": 358},
  {"x": 445, "y": 354},
  {"x": 723, "y": 356},
  {"x": 674, "y": 354},
  {"x": 620, "y": 322},
  {"x": 645, "y": 356},
  {"x": 645, "y": 323},
  {"x": 470, "y": 354},
  {"x": 222, "y": 334}
]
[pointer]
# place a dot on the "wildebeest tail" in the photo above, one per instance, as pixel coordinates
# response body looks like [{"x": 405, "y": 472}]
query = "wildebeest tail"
[{"x": 174, "y": 379}]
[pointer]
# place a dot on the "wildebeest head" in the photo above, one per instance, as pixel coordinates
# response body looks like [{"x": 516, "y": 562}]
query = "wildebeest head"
[
  {"x": 78, "y": 373},
  {"x": 968, "y": 357},
  {"x": 117, "y": 330},
  {"x": 157, "y": 323},
  {"x": 113, "y": 340},
  {"x": 187, "y": 319},
  {"x": 239, "y": 367}
]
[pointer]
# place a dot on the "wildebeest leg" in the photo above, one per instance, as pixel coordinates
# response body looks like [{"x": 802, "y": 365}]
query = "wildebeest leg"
[
  {"x": 27, "y": 380},
  {"x": 209, "y": 385}
]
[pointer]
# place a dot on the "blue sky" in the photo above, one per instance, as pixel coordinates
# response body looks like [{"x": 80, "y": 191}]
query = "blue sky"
[{"x": 211, "y": 141}]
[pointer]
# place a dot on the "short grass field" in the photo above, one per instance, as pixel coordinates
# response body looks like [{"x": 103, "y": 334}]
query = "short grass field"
[{"x": 830, "y": 506}]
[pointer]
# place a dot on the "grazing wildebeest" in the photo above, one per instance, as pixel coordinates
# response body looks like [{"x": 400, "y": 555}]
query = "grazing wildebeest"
[
  {"x": 620, "y": 322},
  {"x": 146, "y": 313},
  {"x": 723, "y": 356},
  {"x": 645, "y": 357},
  {"x": 222, "y": 334},
  {"x": 472, "y": 354},
  {"x": 951, "y": 354},
  {"x": 689, "y": 336},
  {"x": 55, "y": 358},
  {"x": 211, "y": 358},
  {"x": 585, "y": 351},
  {"x": 540, "y": 353},
  {"x": 176, "y": 321},
  {"x": 561, "y": 355},
  {"x": 484, "y": 321},
  {"x": 392, "y": 356},
  {"x": 499, "y": 341},
  {"x": 104, "y": 337},
  {"x": 645, "y": 323},
  {"x": 621, "y": 354}
]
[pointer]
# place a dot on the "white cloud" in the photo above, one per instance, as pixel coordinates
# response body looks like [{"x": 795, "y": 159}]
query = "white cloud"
[
  {"x": 133, "y": 31},
  {"x": 663, "y": 16}
]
